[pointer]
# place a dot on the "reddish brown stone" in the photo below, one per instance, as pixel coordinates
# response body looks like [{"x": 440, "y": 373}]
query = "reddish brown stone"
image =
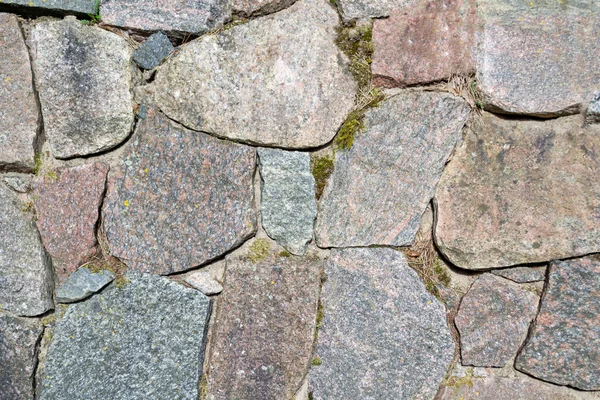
[{"x": 68, "y": 210}]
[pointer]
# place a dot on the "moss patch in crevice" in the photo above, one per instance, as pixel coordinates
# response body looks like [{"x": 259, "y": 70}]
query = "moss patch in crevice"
[{"x": 321, "y": 168}]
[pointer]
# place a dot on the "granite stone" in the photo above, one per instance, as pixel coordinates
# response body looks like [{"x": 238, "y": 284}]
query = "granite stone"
[
  {"x": 153, "y": 51},
  {"x": 593, "y": 111},
  {"x": 288, "y": 206},
  {"x": 18, "y": 183},
  {"x": 383, "y": 336},
  {"x": 19, "y": 113},
  {"x": 204, "y": 282},
  {"x": 493, "y": 320},
  {"x": 564, "y": 346},
  {"x": 18, "y": 350},
  {"x": 67, "y": 212},
  {"x": 25, "y": 269},
  {"x": 84, "y": 76},
  {"x": 251, "y": 8},
  {"x": 83, "y": 283},
  {"x": 178, "y": 198},
  {"x": 361, "y": 9},
  {"x": 274, "y": 81},
  {"x": 522, "y": 274},
  {"x": 52, "y": 7},
  {"x": 142, "y": 340},
  {"x": 520, "y": 192},
  {"x": 383, "y": 184}
]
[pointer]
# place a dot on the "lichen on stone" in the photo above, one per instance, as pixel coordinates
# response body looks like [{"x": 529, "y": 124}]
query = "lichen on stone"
[{"x": 259, "y": 250}]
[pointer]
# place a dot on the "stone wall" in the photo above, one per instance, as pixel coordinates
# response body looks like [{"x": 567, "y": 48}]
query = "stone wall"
[{"x": 293, "y": 200}]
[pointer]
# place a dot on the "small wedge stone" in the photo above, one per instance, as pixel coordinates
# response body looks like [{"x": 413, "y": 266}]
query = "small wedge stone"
[{"x": 81, "y": 284}]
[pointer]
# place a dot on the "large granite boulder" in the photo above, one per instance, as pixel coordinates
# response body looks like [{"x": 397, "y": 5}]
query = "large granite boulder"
[
  {"x": 84, "y": 76},
  {"x": 383, "y": 184},
  {"x": 19, "y": 114},
  {"x": 383, "y": 336},
  {"x": 520, "y": 191},
  {"x": 274, "y": 81},
  {"x": 178, "y": 198}
]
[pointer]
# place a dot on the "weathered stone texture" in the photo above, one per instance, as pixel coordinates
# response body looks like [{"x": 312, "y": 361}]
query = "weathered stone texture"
[
  {"x": 178, "y": 198},
  {"x": 204, "y": 282},
  {"x": 381, "y": 187},
  {"x": 249, "y": 8},
  {"x": 493, "y": 320},
  {"x": 18, "y": 183},
  {"x": 383, "y": 336},
  {"x": 522, "y": 274},
  {"x": 79, "y": 7},
  {"x": 521, "y": 191},
  {"x": 143, "y": 340},
  {"x": 288, "y": 204},
  {"x": 264, "y": 327},
  {"x": 564, "y": 347},
  {"x": 67, "y": 212},
  {"x": 19, "y": 114},
  {"x": 18, "y": 341},
  {"x": 153, "y": 51},
  {"x": 593, "y": 111},
  {"x": 25, "y": 270},
  {"x": 359, "y": 9},
  {"x": 274, "y": 81},
  {"x": 82, "y": 284},
  {"x": 84, "y": 76}
]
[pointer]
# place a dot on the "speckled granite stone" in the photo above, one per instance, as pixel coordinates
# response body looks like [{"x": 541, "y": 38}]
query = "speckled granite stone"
[
  {"x": 383, "y": 336},
  {"x": 592, "y": 115},
  {"x": 250, "y": 8},
  {"x": 381, "y": 187},
  {"x": 564, "y": 347},
  {"x": 143, "y": 340},
  {"x": 19, "y": 113},
  {"x": 18, "y": 183},
  {"x": 493, "y": 320},
  {"x": 153, "y": 51},
  {"x": 275, "y": 81},
  {"x": 18, "y": 341},
  {"x": 264, "y": 327},
  {"x": 178, "y": 198},
  {"x": 67, "y": 213},
  {"x": 522, "y": 274},
  {"x": 519, "y": 192},
  {"x": 84, "y": 76},
  {"x": 82, "y": 284},
  {"x": 204, "y": 282},
  {"x": 45, "y": 7},
  {"x": 359, "y": 9}
]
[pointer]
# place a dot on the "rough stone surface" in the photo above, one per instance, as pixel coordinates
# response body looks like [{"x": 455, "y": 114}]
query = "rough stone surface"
[
  {"x": 21, "y": 184},
  {"x": 288, "y": 204},
  {"x": 78, "y": 7},
  {"x": 67, "y": 213},
  {"x": 274, "y": 81},
  {"x": 265, "y": 327},
  {"x": 197, "y": 16},
  {"x": 593, "y": 111},
  {"x": 19, "y": 114},
  {"x": 18, "y": 341},
  {"x": 439, "y": 36},
  {"x": 153, "y": 51},
  {"x": 522, "y": 274},
  {"x": 383, "y": 336},
  {"x": 360, "y": 9},
  {"x": 564, "y": 347},
  {"x": 204, "y": 282},
  {"x": 84, "y": 76},
  {"x": 381, "y": 187},
  {"x": 248, "y": 8},
  {"x": 521, "y": 192},
  {"x": 178, "y": 198},
  {"x": 82, "y": 284},
  {"x": 493, "y": 320},
  {"x": 25, "y": 270},
  {"x": 143, "y": 340}
]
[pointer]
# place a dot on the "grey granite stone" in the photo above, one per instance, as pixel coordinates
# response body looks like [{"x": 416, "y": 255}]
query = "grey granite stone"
[
  {"x": 53, "y": 7},
  {"x": 81, "y": 284},
  {"x": 288, "y": 204},
  {"x": 25, "y": 270},
  {"x": 250, "y": 8},
  {"x": 21, "y": 183},
  {"x": 383, "y": 336},
  {"x": 153, "y": 51},
  {"x": 19, "y": 113},
  {"x": 275, "y": 81},
  {"x": 383, "y": 184},
  {"x": 204, "y": 282},
  {"x": 564, "y": 346},
  {"x": 360, "y": 9},
  {"x": 522, "y": 274},
  {"x": 142, "y": 340},
  {"x": 84, "y": 75},
  {"x": 178, "y": 198},
  {"x": 593, "y": 112},
  {"x": 18, "y": 350}
]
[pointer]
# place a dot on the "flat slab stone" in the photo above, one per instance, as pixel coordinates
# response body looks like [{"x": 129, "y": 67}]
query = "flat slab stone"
[
  {"x": 204, "y": 282},
  {"x": 564, "y": 347},
  {"x": 67, "y": 212},
  {"x": 265, "y": 324},
  {"x": 153, "y": 51},
  {"x": 593, "y": 111},
  {"x": 142, "y": 340},
  {"x": 82, "y": 284},
  {"x": 178, "y": 198},
  {"x": 383, "y": 184},
  {"x": 18, "y": 183},
  {"x": 493, "y": 321},
  {"x": 19, "y": 114},
  {"x": 288, "y": 206},
  {"x": 25, "y": 270},
  {"x": 361, "y": 9},
  {"x": 250, "y": 8},
  {"x": 77, "y": 7},
  {"x": 277, "y": 81},
  {"x": 197, "y": 16},
  {"x": 383, "y": 336},
  {"x": 84, "y": 76},
  {"x": 522, "y": 274},
  {"x": 18, "y": 356},
  {"x": 520, "y": 192}
]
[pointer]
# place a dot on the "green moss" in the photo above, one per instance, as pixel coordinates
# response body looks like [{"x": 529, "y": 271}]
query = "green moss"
[
  {"x": 259, "y": 250},
  {"x": 460, "y": 382},
  {"x": 285, "y": 253},
  {"x": 321, "y": 169},
  {"x": 52, "y": 175},
  {"x": 27, "y": 207},
  {"x": 353, "y": 125},
  {"x": 356, "y": 43},
  {"x": 38, "y": 162},
  {"x": 49, "y": 319},
  {"x": 120, "y": 281},
  {"x": 316, "y": 361},
  {"x": 203, "y": 387},
  {"x": 441, "y": 273}
]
